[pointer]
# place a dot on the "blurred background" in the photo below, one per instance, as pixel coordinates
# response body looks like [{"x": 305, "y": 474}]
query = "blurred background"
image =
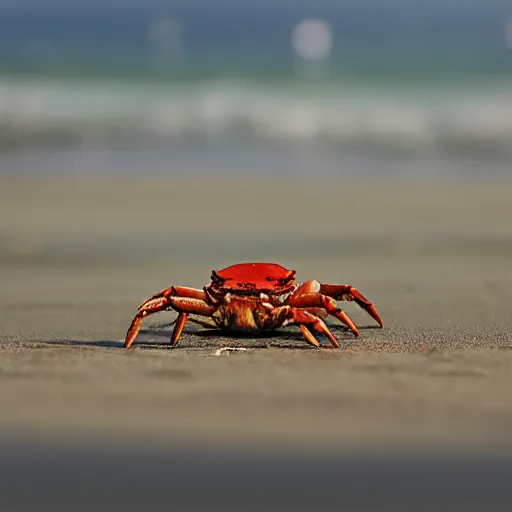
[{"x": 409, "y": 87}]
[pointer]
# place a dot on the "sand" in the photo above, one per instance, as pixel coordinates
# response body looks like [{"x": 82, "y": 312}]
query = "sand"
[{"x": 78, "y": 254}]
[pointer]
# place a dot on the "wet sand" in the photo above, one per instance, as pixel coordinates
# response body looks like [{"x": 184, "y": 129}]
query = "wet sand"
[{"x": 79, "y": 254}]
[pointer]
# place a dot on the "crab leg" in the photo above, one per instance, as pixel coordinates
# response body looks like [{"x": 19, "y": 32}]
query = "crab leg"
[
  {"x": 183, "y": 305},
  {"x": 338, "y": 292},
  {"x": 349, "y": 293},
  {"x": 178, "y": 328},
  {"x": 320, "y": 312},
  {"x": 312, "y": 300},
  {"x": 306, "y": 320},
  {"x": 177, "y": 291}
]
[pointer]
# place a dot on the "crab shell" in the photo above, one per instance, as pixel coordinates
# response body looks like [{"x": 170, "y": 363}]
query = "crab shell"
[{"x": 252, "y": 279}]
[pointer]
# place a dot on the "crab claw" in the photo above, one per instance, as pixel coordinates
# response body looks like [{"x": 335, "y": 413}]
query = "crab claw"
[
  {"x": 166, "y": 292},
  {"x": 147, "y": 308},
  {"x": 311, "y": 301},
  {"x": 367, "y": 306},
  {"x": 349, "y": 293}
]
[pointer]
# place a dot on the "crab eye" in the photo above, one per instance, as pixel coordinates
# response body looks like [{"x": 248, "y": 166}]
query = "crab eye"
[{"x": 216, "y": 278}]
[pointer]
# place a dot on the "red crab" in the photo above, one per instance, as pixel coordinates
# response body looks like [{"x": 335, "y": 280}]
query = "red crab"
[{"x": 255, "y": 297}]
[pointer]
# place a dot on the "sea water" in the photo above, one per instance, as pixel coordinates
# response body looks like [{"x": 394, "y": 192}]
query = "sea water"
[{"x": 406, "y": 90}]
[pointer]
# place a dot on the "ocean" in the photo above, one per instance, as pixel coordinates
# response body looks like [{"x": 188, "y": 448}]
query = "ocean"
[{"x": 401, "y": 88}]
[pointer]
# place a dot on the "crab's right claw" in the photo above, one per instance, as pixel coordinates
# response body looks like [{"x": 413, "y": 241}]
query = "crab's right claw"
[
  {"x": 367, "y": 306},
  {"x": 349, "y": 293}
]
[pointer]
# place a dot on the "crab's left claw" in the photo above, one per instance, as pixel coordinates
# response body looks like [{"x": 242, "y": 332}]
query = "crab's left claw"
[{"x": 149, "y": 307}]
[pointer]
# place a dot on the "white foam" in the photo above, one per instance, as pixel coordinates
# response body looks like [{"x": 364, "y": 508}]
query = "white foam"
[{"x": 454, "y": 120}]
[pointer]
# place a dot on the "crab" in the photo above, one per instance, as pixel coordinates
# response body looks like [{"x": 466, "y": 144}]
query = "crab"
[{"x": 253, "y": 297}]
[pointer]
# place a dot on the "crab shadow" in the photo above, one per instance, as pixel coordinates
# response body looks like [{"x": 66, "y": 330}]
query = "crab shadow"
[
  {"x": 210, "y": 337},
  {"x": 150, "y": 344},
  {"x": 83, "y": 343}
]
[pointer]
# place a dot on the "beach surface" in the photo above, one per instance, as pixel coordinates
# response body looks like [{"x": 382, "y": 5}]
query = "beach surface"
[{"x": 79, "y": 253}]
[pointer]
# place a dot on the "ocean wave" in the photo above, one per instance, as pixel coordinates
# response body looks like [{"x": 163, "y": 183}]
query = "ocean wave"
[{"x": 460, "y": 121}]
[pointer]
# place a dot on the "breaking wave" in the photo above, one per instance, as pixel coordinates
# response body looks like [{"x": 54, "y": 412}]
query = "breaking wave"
[{"x": 458, "y": 121}]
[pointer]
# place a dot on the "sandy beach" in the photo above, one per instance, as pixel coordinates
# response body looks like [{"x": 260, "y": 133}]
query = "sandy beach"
[{"x": 78, "y": 254}]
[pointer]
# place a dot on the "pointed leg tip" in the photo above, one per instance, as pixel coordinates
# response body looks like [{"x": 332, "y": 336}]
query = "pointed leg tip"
[
  {"x": 127, "y": 340},
  {"x": 334, "y": 342},
  {"x": 344, "y": 318},
  {"x": 354, "y": 329},
  {"x": 376, "y": 317}
]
